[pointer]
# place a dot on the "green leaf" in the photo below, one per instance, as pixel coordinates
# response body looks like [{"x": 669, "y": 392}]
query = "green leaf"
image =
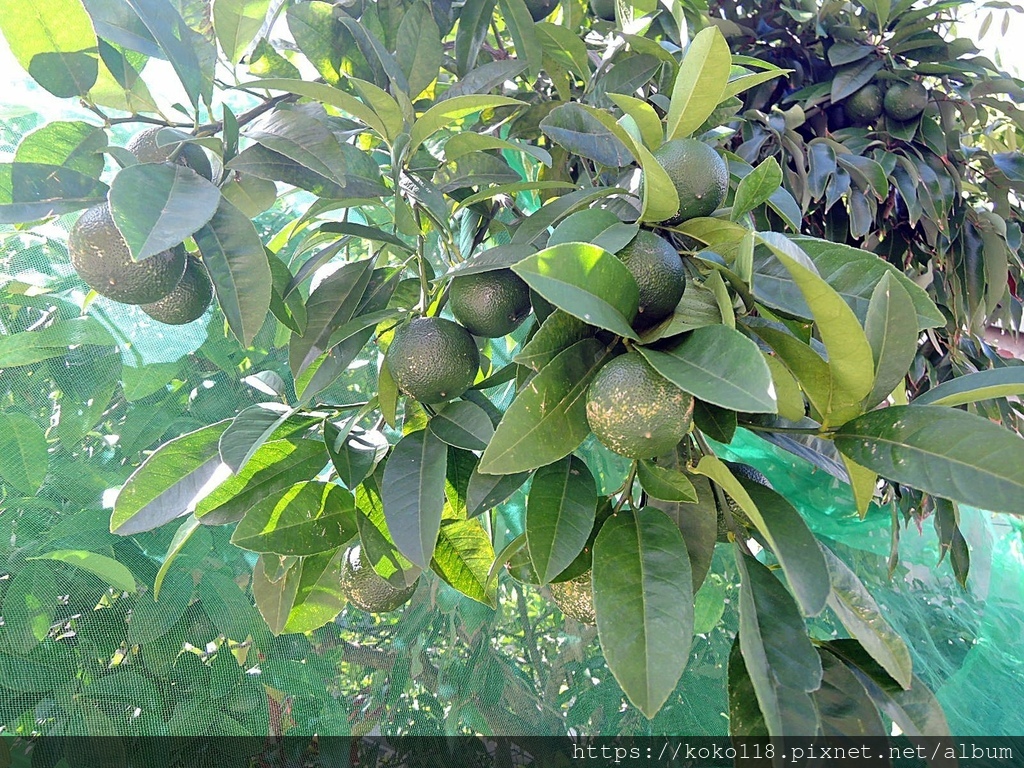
[
  {"x": 560, "y": 513},
  {"x": 375, "y": 539},
  {"x": 566, "y": 48},
  {"x": 891, "y": 328},
  {"x": 587, "y": 282},
  {"x": 594, "y": 225},
  {"x": 577, "y": 129},
  {"x": 178, "y": 542},
  {"x": 33, "y": 191},
  {"x": 981, "y": 385},
  {"x": 745, "y": 718},
  {"x": 718, "y": 365},
  {"x": 318, "y": 596},
  {"x": 464, "y": 425},
  {"x": 249, "y": 430},
  {"x": 238, "y": 266},
  {"x": 853, "y": 77},
  {"x": 644, "y": 115},
  {"x": 157, "y": 205},
  {"x": 916, "y": 711},
  {"x": 850, "y": 361},
  {"x": 24, "y": 455},
  {"x": 643, "y": 598},
  {"x": 419, "y": 48},
  {"x": 169, "y": 482},
  {"x": 863, "y": 619},
  {"x": 109, "y": 570},
  {"x": 54, "y": 42},
  {"x": 413, "y": 494},
  {"x": 70, "y": 144},
  {"x": 307, "y": 518},
  {"x": 660, "y": 197},
  {"x": 328, "y": 95},
  {"x": 780, "y": 660},
  {"x": 547, "y": 420},
  {"x": 444, "y": 113},
  {"x": 717, "y": 423},
  {"x": 191, "y": 55},
  {"x": 944, "y": 452},
  {"x": 700, "y": 84},
  {"x": 237, "y": 22},
  {"x": 250, "y": 194},
  {"x": 463, "y": 558},
  {"x": 520, "y": 24},
  {"x": 275, "y": 597},
  {"x": 665, "y": 483},
  {"x": 277, "y": 465},
  {"x": 863, "y": 484},
  {"x": 787, "y": 390},
  {"x": 486, "y": 492},
  {"x": 557, "y": 333},
  {"x": 28, "y": 605},
  {"x": 356, "y": 453},
  {"x": 757, "y": 187},
  {"x": 843, "y": 705}
]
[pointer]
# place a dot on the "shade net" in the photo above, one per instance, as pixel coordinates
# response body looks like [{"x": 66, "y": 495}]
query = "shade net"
[{"x": 80, "y": 657}]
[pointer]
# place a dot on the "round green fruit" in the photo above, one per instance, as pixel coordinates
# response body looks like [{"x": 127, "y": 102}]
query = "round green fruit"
[
  {"x": 490, "y": 304},
  {"x": 603, "y": 9},
  {"x": 864, "y": 106},
  {"x": 188, "y": 301},
  {"x": 698, "y": 173},
  {"x": 432, "y": 359},
  {"x": 659, "y": 274},
  {"x": 541, "y": 9},
  {"x": 101, "y": 257},
  {"x": 366, "y": 589},
  {"x": 146, "y": 150},
  {"x": 905, "y": 100},
  {"x": 634, "y": 411}
]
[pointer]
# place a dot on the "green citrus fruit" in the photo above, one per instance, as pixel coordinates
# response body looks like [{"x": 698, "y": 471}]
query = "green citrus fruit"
[
  {"x": 905, "y": 101},
  {"x": 145, "y": 148},
  {"x": 603, "y": 9},
  {"x": 744, "y": 472},
  {"x": 490, "y": 304},
  {"x": 368, "y": 590},
  {"x": 659, "y": 274},
  {"x": 188, "y": 301},
  {"x": 101, "y": 257},
  {"x": 635, "y": 411},
  {"x": 541, "y": 9},
  {"x": 699, "y": 174},
  {"x": 575, "y": 598},
  {"x": 864, "y": 106},
  {"x": 432, "y": 359}
]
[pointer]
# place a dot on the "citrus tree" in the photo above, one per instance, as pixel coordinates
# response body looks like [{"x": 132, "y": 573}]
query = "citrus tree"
[{"x": 493, "y": 285}]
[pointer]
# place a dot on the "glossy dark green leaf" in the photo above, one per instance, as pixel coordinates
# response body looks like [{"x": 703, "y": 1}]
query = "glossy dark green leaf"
[
  {"x": 463, "y": 558},
  {"x": 55, "y": 43},
  {"x": 719, "y": 365},
  {"x": 169, "y": 482},
  {"x": 782, "y": 664},
  {"x": 464, "y": 425},
  {"x": 558, "y": 332},
  {"x": 157, "y": 205},
  {"x": 517, "y": 17},
  {"x": 277, "y": 465},
  {"x": 486, "y": 492},
  {"x": 249, "y": 430},
  {"x": 942, "y": 451},
  {"x": 560, "y": 514},
  {"x": 24, "y": 454},
  {"x": 572, "y": 126},
  {"x": 854, "y": 76},
  {"x": 594, "y": 225},
  {"x": 844, "y": 707},
  {"x": 891, "y": 329},
  {"x": 307, "y": 518},
  {"x": 587, "y": 282},
  {"x": 33, "y": 191},
  {"x": 745, "y": 718},
  {"x": 413, "y": 494},
  {"x": 757, "y": 187},
  {"x": 547, "y": 420},
  {"x": 718, "y": 423},
  {"x": 643, "y": 597},
  {"x": 375, "y": 539},
  {"x": 863, "y": 619},
  {"x": 981, "y": 385},
  {"x": 238, "y": 266},
  {"x": 665, "y": 483},
  {"x": 353, "y": 453},
  {"x": 419, "y": 48},
  {"x": 916, "y": 711}
]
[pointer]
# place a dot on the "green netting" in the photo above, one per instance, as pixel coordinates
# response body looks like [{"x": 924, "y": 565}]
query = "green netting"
[{"x": 77, "y": 657}]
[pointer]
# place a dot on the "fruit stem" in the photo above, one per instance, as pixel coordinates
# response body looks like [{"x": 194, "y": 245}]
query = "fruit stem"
[{"x": 627, "y": 489}]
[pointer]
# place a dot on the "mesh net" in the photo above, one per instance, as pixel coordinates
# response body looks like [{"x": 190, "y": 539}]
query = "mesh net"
[{"x": 77, "y": 657}]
